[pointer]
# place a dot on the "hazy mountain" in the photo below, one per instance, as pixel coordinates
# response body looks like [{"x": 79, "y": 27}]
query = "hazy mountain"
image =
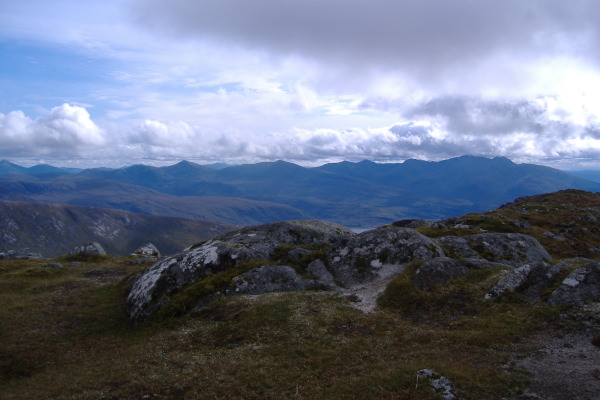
[
  {"x": 41, "y": 169},
  {"x": 592, "y": 175},
  {"x": 355, "y": 194},
  {"x": 55, "y": 229},
  {"x": 86, "y": 191}
]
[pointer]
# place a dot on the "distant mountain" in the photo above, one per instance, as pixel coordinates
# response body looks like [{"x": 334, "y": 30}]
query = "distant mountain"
[
  {"x": 363, "y": 194},
  {"x": 7, "y": 167},
  {"x": 55, "y": 229},
  {"x": 592, "y": 175},
  {"x": 95, "y": 192}
]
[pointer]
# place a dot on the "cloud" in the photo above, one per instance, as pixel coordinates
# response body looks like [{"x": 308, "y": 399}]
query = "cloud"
[
  {"x": 519, "y": 130},
  {"x": 424, "y": 39},
  {"x": 67, "y": 130}
]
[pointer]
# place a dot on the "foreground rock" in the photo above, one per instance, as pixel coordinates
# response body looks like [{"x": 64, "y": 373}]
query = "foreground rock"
[
  {"x": 309, "y": 254},
  {"x": 224, "y": 252}
]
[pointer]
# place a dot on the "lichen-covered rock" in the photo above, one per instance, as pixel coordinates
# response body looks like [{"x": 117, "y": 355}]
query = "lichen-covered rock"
[
  {"x": 507, "y": 248},
  {"x": 511, "y": 282},
  {"x": 379, "y": 254},
  {"x": 148, "y": 249},
  {"x": 442, "y": 269},
  {"x": 439, "y": 383},
  {"x": 93, "y": 248},
  {"x": 216, "y": 255},
  {"x": 581, "y": 285},
  {"x": 269, "y": 278}
]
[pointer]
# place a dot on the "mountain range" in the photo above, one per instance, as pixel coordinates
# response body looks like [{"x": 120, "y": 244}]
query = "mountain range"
[{"x": 363, "y": 194}]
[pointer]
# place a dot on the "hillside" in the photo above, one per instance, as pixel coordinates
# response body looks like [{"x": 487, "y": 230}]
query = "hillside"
[
  {"x": 364, "y": 194},
  {"x": 66, "y": 331},
  {"x": 55, "y": 229},
  {"x": 565, "y": 222}
]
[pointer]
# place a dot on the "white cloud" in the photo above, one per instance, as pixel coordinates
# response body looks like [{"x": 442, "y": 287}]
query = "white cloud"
[{"x": 66, "y": 131}]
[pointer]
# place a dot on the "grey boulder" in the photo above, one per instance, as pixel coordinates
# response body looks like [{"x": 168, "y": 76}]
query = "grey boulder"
[
  {"x": 581, "y": 285},
  {"x": 379, "y": 254},
  {"x": 93, "y": 248},
  {"x": 148, "y": 249}
]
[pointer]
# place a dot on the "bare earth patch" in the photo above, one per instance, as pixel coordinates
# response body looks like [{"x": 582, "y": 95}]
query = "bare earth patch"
[{"x": 565, "y": 366}]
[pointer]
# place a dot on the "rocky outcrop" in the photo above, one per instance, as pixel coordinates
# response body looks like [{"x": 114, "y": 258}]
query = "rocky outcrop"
[
  {"x": 513, "y": 249},
  {"x": 89, "y": 249},
  {"x": 320, "y": 255},
  {"x": 224, "y": 252},
  {"x": 378, "y": 254}
]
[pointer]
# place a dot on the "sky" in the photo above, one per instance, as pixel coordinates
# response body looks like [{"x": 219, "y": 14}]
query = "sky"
[{"x": 121, "y": 82}]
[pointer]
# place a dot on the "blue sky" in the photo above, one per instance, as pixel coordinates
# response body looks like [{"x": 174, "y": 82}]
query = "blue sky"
[{"x": 129, "y": 81}]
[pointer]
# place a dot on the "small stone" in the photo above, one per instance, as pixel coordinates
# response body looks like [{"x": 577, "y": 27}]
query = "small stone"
[
  {"x": 353, "y": 298},
  {"x": 596, "y": 340},
  {"x": 52, "y": 265}
]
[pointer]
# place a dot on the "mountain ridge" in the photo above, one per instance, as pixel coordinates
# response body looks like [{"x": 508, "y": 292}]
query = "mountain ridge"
[{"x": 362, "y": 194}]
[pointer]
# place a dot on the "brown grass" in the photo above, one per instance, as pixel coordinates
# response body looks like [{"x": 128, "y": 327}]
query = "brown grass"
[{"x": 64, "y": 336}]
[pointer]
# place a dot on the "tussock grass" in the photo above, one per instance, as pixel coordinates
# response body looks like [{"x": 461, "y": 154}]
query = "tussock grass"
[{"x": 64, "y": 336}]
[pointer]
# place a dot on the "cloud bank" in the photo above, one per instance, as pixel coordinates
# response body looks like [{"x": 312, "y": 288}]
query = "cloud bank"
[
  {"x": 428, "y": 40},
  {"x": 520, "y": 131}
]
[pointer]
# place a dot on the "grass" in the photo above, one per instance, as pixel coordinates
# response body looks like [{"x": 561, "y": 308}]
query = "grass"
[{"x": 65, "y": 336}]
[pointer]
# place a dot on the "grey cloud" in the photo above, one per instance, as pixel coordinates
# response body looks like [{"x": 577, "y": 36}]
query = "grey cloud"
[
  {"x": 419, "y": 37},
  {"x": 473, "y": 116}
]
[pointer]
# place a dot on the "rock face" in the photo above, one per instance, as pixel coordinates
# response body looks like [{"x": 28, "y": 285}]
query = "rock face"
[
  {"x": 379, "y": 254},
  {"x": 93, "y": 248},
  {"x": 219, "y": 254}
]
